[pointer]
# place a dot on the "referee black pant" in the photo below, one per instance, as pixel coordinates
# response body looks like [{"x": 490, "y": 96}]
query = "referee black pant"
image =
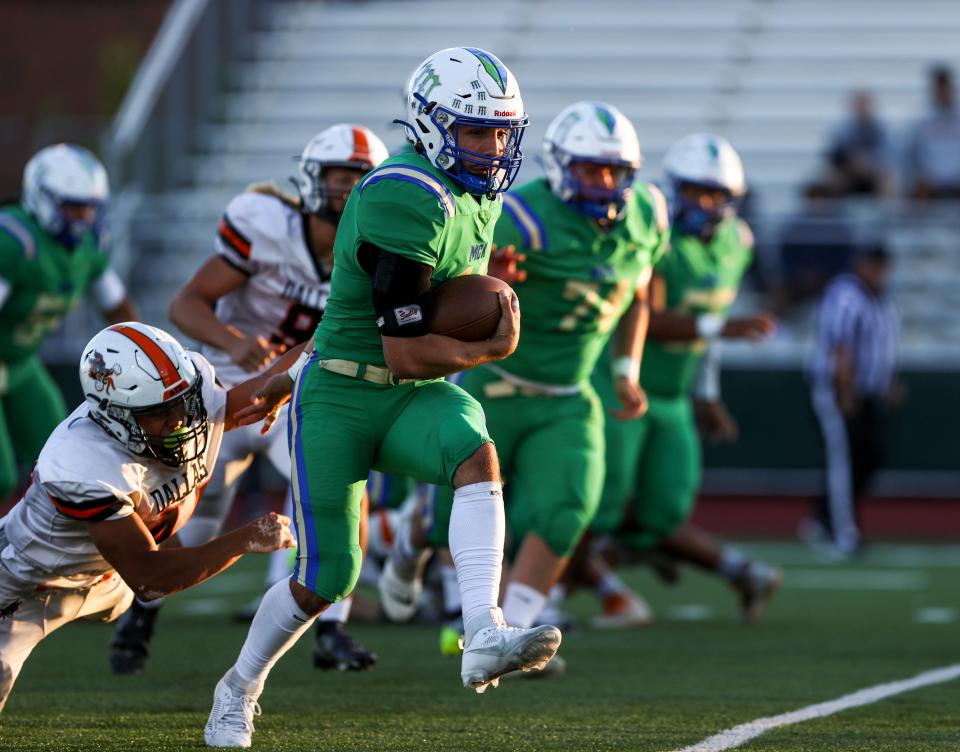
[{"x": 853, "y": 452}]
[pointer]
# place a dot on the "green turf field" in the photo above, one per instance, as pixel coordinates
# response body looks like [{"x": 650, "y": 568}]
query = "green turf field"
[{"x": 832, "y": 630}]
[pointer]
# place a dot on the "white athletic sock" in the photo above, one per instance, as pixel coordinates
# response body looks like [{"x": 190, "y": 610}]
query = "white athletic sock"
[
  {"x": 477, "y": 529},
  {"x": 522, "y": 604},
  {"x": 731, "y": 563},
  {"x": 451, "y": 590},
  {"x": 339, "y": 611},
  {"x": 199, "y": 530},
  {"x": 275, "y": 629}
]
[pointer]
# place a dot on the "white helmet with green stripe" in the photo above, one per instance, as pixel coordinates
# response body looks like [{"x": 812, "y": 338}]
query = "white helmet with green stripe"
[
  {"x": 598, "y": 133},
  {"x": 463, "y": 86}
]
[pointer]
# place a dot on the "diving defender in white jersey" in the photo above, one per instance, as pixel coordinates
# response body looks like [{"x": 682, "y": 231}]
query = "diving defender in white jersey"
[{"x": 114, "y": 481}]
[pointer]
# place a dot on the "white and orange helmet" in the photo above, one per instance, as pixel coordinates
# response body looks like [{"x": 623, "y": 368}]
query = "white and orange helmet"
[
  {"x": 342, "y": 145},
  {"x": 131, "y": 369}
]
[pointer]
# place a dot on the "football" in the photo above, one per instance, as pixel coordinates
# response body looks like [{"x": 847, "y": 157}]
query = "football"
[{"x": 466, "y": 308}]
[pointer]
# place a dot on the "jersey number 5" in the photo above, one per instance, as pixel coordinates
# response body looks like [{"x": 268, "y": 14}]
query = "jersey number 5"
[{"x": 592, "y": 306}]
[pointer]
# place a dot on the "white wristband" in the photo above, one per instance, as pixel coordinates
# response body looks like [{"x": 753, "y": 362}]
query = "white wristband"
[
  {"x": 627, "y": 368},
  {"x": 709, "y": 325},
  {"x": 294, "y": 371}
]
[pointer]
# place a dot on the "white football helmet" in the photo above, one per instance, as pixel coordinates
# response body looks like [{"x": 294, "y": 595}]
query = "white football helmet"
[
  {"x": 131, "y": 369},
  {"x": 341, "y": 145},
  {"x": 60, "y": 175},
  {"x": 706, "y": 161},
  {"x": 593, "y": 132},
  {"x": 465, "y": 86}
]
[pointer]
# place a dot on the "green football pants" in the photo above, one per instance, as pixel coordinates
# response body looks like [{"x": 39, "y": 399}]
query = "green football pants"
[
  {"x": 31, "y": 406},
  {"x": 551, "y": 455},
  {"x": 342, "y": 427},
  {"x": 653, "y": 464}
]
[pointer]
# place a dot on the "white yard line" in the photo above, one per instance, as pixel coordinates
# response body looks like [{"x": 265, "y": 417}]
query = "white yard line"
[
  {"x": 856, "y": 579},
  {"x": 738, "y": 735},
  {"x": 935, "y": 615}
]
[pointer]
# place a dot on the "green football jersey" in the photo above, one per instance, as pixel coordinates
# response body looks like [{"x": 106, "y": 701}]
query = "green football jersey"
[
  {"x": 408, "y": 207},
  {"x": 580, "y": 278},
  {"x": 46, "y": 281},
  {"x": 700, "y": 278}
]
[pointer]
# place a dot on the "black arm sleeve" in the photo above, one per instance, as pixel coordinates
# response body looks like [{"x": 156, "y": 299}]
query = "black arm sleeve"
[{"x": 401, "y": 291}]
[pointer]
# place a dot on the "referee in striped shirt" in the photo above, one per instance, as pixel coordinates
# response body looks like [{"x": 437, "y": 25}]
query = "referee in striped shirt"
[{"x": 853, "y": 374}]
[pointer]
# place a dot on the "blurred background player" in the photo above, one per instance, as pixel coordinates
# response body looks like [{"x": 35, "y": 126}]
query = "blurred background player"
[
  {"x": 373, "y": 393},
  {"x": 853, "y": 382},
  {"x": 263, "y": 292},
  {"x": 653, "y": 464},
  {"x": 587, "y": 236},
  {"x": 116, "y": 480},
  {"x": 51, "y": 254}
]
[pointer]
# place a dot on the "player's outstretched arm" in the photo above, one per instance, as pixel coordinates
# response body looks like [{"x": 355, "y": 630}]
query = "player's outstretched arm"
[
  {"x": 245, "y": 404},
  {"x": 152, "y": 572},
  {"x": 669, "y": 326},
  {"x": 432, "y": 355},
  {"x": 192, "y": 310}
]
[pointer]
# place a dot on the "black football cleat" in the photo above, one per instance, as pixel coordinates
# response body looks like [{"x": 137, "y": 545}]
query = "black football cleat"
[
  {"x": 334, "y": 648},
  {"x": 129, "y": 648}
]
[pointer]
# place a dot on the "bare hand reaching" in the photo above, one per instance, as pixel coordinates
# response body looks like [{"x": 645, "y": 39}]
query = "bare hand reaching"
[
  {"x": 267, "y": 402},
  {"x": 269, "y": 533}
]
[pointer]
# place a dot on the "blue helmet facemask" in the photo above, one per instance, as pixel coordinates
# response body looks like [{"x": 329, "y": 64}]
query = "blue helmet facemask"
[
  {"x": 690, "y": 218},
  {"x": 597, "y": 203},
  {"x": 499, "y": 172},
  {"x": 70, "y": 233}
]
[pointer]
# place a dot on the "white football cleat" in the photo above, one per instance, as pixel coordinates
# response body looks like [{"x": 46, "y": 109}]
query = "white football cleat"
[
  {"x": 756, "y": 585},
  {"x": 497, "y": 649},
  {"x": 623, "y": 611},
  {"x": 401, "y": 579},
  {"x": 231, "y": 718},
  {"x": 399, "y": 595}
]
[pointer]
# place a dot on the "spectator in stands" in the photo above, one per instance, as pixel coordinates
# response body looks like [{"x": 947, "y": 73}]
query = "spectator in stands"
[
  {"x": 815, "y": 246},
  {"x": 853, "y": 380},
  {"x": 858, "y": 153},
  {"x": 933, "y": 145}
]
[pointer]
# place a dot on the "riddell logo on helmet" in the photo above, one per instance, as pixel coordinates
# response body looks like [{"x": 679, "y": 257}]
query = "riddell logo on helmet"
[{"x": 504, "y": 113}]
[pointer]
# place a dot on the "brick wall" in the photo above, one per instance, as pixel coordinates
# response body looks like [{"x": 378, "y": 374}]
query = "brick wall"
[{"x": 64, "y": 68}]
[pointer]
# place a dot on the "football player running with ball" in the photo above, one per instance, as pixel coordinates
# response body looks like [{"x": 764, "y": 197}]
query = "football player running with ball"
[
  {"x": 263, "y": 292},
  {"x": 653, "y": 464},
  {"x": 590, "y": 235},
  {"x": 114, "y": 481},
  {"x": 372, "y": 394},
  {"x": 51, "y": 255}
]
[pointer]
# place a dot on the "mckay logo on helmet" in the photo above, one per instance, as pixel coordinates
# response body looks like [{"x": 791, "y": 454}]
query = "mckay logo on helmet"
[{"x": 464, "y": 113}]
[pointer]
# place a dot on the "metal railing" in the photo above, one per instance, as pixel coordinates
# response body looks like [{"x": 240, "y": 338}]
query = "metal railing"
[{"x": 173, "y": 90}]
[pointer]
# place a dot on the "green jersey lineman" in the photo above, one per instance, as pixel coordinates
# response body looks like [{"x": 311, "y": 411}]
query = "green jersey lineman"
[
  {"x": 586, "y": 256},
  {"x": 656, "y": 460},
  {"x": 49, "y": 259}
]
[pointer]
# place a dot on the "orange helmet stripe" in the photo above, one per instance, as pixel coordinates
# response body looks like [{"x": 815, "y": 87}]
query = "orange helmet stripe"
[
  {"x": 361, "y": 146},
  {"x": 161, "y": 361}
]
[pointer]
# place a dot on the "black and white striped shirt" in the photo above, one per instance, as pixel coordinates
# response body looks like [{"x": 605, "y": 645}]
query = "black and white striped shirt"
[{"x": 867, "y": 326}]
